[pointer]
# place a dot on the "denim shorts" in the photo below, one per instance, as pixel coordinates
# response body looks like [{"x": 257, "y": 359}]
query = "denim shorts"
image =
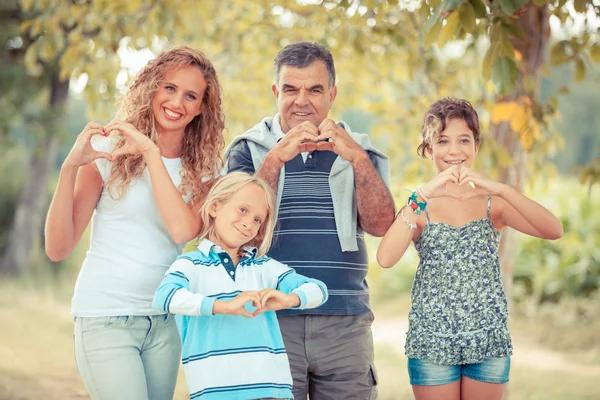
[{"x": 426, "y": 373}]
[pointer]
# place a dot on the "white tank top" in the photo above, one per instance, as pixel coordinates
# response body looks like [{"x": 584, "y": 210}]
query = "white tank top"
[{"x": 130, "y": 247}]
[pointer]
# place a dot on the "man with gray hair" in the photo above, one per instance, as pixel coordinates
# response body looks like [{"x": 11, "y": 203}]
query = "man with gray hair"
[{"x": 332, "y": 186}]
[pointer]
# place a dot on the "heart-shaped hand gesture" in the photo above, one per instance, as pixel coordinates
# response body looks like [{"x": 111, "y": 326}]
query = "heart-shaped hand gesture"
[
  {"x": 337, "y": 139},
  {"x": 82, "y": 152},
  {"x": 273, "y": 300},
  {"x": 237, "y": 306},
  {"x": 437, "y": 186},
  {"x": 482, "y": 186},
  {"x": 134, "y": 142},
  {"x": 460, "y": 176}
]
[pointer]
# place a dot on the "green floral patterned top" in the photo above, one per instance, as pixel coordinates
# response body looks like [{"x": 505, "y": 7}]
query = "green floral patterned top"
[{"x": 459, "y": 311}]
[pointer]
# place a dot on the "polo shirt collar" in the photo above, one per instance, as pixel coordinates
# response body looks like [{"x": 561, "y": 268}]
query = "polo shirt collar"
[{"x": 206, "y": 247}]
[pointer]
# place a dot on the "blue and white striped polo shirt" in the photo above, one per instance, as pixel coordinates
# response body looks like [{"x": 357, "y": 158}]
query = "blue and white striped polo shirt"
[{"x": 225, "y": 356}]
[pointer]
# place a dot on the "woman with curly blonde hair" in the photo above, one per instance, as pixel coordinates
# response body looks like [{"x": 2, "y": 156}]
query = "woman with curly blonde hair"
[{"x": 141, "y": 179}]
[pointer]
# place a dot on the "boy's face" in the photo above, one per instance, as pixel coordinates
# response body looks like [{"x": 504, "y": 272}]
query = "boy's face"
[
  {"x": 238, "y": 220},
  {"x": 456, "y": 145}
]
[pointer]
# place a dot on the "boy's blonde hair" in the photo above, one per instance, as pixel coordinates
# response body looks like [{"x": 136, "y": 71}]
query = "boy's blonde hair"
[
  {"x": 440, "y": 113},
  {"x": 223, "y": 190}
]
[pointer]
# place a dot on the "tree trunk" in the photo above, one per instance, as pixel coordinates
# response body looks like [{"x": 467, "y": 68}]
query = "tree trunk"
[
  {"x": 23, "y": 243},
  {"x": 534, "y": 23}
]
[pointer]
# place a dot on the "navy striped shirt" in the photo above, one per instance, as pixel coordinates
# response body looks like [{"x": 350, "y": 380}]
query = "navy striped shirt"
[{"x": 306, "y": 235}]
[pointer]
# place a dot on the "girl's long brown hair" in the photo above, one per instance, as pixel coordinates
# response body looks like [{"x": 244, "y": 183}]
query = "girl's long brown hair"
[{"x": 203, "y": 136}]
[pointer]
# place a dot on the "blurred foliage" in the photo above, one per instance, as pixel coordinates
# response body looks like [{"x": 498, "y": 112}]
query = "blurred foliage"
[{"x": 548, "y": 270}]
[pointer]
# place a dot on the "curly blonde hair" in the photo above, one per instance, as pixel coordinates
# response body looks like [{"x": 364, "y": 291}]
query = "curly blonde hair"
[
  {"x": 440, "y": 113},
  {"x": 202, "y": 141},
  {"x": 223, "y": 190}
]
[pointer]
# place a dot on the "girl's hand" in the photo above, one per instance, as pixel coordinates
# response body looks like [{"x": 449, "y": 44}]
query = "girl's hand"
[
  {"x": 273, "y": 300},
  {"x": 482, "y": 186},
  {"x": 437, "y": 186},
  {"x": 82, "y": 152},
  {"x": 134, "y": 141},
  {"x": 237, "y": 306}
]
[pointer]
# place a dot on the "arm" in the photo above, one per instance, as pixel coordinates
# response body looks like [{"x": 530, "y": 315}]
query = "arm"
[
  {"x": 71, "y": 209},
  {"x": 516, "y": 210},
  {"x": 174, "y": 295},
  {"x": 77, "y": 193},
  {"x": 527, "y": 216},
  {"x": 375, "y": 202},
  {"x": 286, "y": 281},
  {"x": 183, "y": 221},
  {"x": 397, "y": 238}
]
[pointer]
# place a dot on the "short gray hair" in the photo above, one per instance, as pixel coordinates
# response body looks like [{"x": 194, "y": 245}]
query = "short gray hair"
[{"x": 303, "y": 54}]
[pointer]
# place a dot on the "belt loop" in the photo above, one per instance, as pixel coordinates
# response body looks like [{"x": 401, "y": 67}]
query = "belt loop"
[{"x": 128, "y": 320}]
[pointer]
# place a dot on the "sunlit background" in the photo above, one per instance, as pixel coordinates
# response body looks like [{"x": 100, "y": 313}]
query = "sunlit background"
[{"x": 529, "y": 68}]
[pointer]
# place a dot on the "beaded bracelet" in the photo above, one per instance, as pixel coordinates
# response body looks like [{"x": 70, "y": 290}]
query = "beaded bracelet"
[
  {"x": 405, "y": 220},
  {"x": 416, "y": 203}
]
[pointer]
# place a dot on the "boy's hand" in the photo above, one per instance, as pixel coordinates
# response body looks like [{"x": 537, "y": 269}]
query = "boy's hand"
[
  {"x": 237, "y": 306},
  {"x": 273, "y": 300}
]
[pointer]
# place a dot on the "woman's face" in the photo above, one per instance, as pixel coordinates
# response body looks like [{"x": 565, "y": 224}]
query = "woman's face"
[{"x": 178, "y": 99}]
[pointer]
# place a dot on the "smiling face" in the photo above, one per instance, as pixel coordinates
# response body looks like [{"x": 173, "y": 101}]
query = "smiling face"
[
  {"x": 303, "y": 94},
  {"x": 237, "y": 221},
  {"x": 178, "y": 99},
  {"x": 455, "y": 145}
]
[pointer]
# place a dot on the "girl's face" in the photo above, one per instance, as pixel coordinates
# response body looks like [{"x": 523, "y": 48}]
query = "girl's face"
[
  {"x": 238, "y": 220},
  {"x": 454, "y": 146},
  {"x": 178, "y": 99}
]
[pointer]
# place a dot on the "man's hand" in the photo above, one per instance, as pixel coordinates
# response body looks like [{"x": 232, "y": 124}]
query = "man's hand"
[
  {"x": 303, "y": 137},
  {"x": 335, "y": 138}
]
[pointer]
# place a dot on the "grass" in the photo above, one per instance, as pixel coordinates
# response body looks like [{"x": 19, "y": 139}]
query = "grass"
[{"x": 36, "y": 353}]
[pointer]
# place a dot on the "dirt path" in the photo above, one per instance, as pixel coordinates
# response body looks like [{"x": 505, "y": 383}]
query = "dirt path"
[{"x": 392, "y": 332}]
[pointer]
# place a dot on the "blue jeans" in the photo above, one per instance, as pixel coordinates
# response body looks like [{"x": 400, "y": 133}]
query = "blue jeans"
[
  {"x": 128, "y": 357},
  {"x": 426, "y": 373}
]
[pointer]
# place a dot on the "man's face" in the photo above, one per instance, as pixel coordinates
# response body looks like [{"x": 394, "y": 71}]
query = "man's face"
[{"x": 303, "y": 94}]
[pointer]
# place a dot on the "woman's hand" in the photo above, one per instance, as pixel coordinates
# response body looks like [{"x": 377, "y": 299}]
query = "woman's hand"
[
  {"x": 134, "y": 141},
  {"x": 82, "y": 152},
  {"x": 437, "y": 186},
  {"x": 482, "y": 185}
]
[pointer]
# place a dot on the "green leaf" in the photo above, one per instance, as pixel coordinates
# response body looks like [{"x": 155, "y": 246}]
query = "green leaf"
[
  {"x": 442, "y": 11},
  {"x": 508, "y": 50},
  {"x": 449, "y": 30},
  {"x": 504, "y": 75},
  {"x": 433, "y": 34},
  {"x": 480, "y": 10},
  {"x": 510, "y": 6},
  {"x": 468, "y": 20},
  {"x": 489, "y": 59},
  {"x": 595, "y": 52},
  {"x": 579, "y": 70},
  {"x": 512, "y": 30},
  {"x": 539, "y": 3},
  {"x": 558, "y": 54}
]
